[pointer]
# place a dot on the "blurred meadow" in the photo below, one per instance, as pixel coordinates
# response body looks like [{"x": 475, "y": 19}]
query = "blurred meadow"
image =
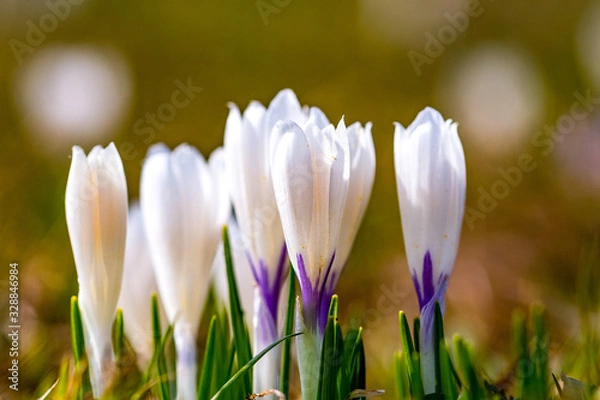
[{"x": 522, "y": 78}]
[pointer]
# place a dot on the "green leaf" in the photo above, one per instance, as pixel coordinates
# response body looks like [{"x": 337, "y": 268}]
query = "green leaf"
[
  {"x": 417, "y": 334},
  {"x": 156, "y": 338},
  {"x": 539, "y": 355},
  {"x": 354, "y": 364},
  {"x": 449, "y": 379},
  {"x": 77, "y": 332},
  {"x": 207, "y": 364},
  {"x": 417, "y": 379},
  {"x": 78, "y": 343},
  {"x": 472, "y": 387},
  {"x": 164, "y": 387},
  {"x": 246, "y": 368},
  {"x": 331, "y": 356},
  {"x": 288, "y": 330},
  {"x": 521, "y": 352},
  {"x": 119, "y": 334},
  {"x": 407, "y": 347},
  {"x": 401, "y": 374},
  {"x": 240, "y": 330}
]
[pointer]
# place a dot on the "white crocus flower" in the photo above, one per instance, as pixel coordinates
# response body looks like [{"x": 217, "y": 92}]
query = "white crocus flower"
[
  {"x": 311, "y": 169},
  {"x": 184, "y": 205},
  {"x": 431, "y": 178},
  {"x": 96, "y": 211},
  {"x": 138, "y": 287},
  {"x": 247, "y": 141}
]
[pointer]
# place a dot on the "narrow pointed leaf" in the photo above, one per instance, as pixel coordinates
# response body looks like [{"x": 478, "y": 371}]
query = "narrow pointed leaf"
[
  {"x": 246, "y": 368},
  {"x": 288, "y": 330}
]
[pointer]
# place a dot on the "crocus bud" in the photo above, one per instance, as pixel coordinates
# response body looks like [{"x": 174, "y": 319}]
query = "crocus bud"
[
  {"x": 184, "y": 205},
  {"x": 431, "y": 178},
  {"x": 311, "y": 171},
  {"x": 138, "y": 287},
  {"x": 96, "y": 211}
]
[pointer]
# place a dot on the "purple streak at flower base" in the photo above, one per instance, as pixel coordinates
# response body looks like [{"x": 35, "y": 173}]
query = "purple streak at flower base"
[
  {"x": 270, "y": 291},
  {"x": 432, "y": 292},
  {"x": 316, "y": 299},
  {"x": 428, "y": 292}
]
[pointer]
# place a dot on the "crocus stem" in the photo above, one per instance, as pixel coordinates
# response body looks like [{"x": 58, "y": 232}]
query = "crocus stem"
[
  {"x": 309, "y": 356},
  {"x": 101, "y": 361},
  {"x": 427, "y": 349},
  {"x": 185, "y": 345},
  {"x": 266, "y": 371}
]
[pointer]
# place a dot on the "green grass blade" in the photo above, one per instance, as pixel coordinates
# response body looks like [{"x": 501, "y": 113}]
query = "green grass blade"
[
  {"x": 416, "y": 386},
  {"x": 246, "y": 368},
  {"x": 400, "y": 375},
  {"x": 240, "y": 331},
  {"x": 471, "y": 386},
  {"x": 156, "y": 324},
  {"x": 407, "y": 346},
  {"x": 207, "y": 364},
  {"x": 354, "y": 365},
  {"x": 520, "y": 344},
  {"x": 286, "y": 360},
  {"x": 417, "y": 334},
  {"x": 78, "y": 343},
  {"x": 449, "y": 381},
  {"x": 164, "y": 387},
  {"x": 77, "y": 332},
  {"x": 539, "y": 355},
  {"x": 119, "y": 336},
  {"x": 331, "y": 358}
]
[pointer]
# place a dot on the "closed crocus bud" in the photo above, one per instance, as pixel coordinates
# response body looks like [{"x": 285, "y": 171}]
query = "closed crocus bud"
[
  {"x": 311, "y": 172},
  {"x": 247, "y": 141},
  {"x": 96, "y": 211},
  {"x": 138, "y": 287},
  {"x": 184, "y": 205},
  {"x": 310, "y": 169},
  {"x": 431, "y": 178}
]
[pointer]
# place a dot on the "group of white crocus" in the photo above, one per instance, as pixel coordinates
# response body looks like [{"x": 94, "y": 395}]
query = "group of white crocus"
[{"x": 298, "y": 187}]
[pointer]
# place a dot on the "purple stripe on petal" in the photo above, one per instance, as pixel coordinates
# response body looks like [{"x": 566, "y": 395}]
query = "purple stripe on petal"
[
  {"x": 316, "y": 299},
  {"x": 270, "y": 291},
  {"x": 428, "y": 287}
]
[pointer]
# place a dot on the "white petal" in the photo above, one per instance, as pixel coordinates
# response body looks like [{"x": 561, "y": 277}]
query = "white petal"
[
  {"x": 284, "y": 107},
  {"x": 292, "y": 172},
  {"x": 138, "y": 286},
  {"x": 362, "y": 174}
]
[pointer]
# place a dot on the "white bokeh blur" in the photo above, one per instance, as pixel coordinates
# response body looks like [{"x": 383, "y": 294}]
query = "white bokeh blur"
[
  {"x": 497, "y": 95},
  {"x": 71, "y": 95}
]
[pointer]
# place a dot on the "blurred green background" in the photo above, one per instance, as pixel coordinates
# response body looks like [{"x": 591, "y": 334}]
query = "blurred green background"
[{"x": 520, "y": 77}]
